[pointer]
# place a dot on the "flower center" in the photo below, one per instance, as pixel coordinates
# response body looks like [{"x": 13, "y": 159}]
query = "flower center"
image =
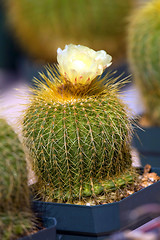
[{"x": 79, "y": 65}]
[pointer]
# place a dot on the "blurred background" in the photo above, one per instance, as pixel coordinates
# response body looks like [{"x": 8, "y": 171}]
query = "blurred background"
[{"x": 31, "y": 32}]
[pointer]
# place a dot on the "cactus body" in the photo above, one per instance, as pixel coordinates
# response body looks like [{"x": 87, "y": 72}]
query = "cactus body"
[
  {"x": 44, "y": 26},
  {"x": 78, "y": 135},
  {"x": 15, "y": 211},
  {"x": 144, "y": 51}
]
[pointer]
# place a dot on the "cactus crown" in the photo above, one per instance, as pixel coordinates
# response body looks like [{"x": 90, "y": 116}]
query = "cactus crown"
[
  {"x": 75, "y": 76},
  {"x": 54, "y": 87},
  {"x": 78, "y": 132}
]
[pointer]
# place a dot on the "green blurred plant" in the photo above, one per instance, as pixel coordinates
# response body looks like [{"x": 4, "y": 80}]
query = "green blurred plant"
[
  {"x": 43, "y": 26},
  {"x": 15, "y": 210},
  {"x": 144, "y": 52}
]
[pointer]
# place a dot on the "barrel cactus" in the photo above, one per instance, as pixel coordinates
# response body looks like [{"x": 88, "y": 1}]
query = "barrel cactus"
[
  {"x": 144, "y": 51},
  {"x": 15, "y": 210},
  {"x": 76, "y": 128},
  {"x": 43, "y": 26}
]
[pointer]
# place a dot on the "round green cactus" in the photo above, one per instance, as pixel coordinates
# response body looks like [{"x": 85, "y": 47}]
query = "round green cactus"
[
  {"x": 15, "y": 211},
  {"x": 44, "y": 26},
  {"x": 78, "y": 135},
  {"x": 144, "y": 51}
]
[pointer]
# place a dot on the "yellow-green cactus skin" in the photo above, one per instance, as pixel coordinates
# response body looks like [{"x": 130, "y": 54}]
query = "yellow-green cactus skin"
[
  {"x": 144, "y": 52},
  {"x": 78, "y": 133},
  {"x": 15, "y": 210},
  {"x": 43, "y": 26}
]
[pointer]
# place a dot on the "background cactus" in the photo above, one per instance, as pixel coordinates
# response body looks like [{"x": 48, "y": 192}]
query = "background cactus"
[
  {"x": 15, "y": 211},
  {"x": 44, "y": 26},
  {"x": 144, "y": 51},
  {"x": 79, "y": 136}
]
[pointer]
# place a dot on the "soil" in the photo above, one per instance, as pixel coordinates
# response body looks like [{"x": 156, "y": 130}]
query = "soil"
[{"x": 143, "y": 180}]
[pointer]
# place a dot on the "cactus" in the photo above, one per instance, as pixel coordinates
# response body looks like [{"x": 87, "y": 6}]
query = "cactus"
[
  {"x": 143, "y": 51},
  {"x": 43, "y": 26},
  {"x": 15, "y": 210},
  {"x": 78, "y": 133}
]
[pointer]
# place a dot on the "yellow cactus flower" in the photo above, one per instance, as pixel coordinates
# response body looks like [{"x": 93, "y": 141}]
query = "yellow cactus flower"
[
  {"x": 75, "y": 76},
  {"x": 80, "y": 64}
]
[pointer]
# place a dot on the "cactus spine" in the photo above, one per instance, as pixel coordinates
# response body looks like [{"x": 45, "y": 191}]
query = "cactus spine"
[
  {"x": 44, "y": 26},
  {"x": 144, "y": 51},
  {"x": 15, "y": 211},
  {"x": 78, "y": 135}
]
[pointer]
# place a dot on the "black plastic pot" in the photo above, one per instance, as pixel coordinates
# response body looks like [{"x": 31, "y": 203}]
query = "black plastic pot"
[
  {"x": 97, "y": 222},
  {"x": 49, "y": 233},
  {"x": 143, "y": 232},
  {"x": 147, "y": 143}
]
